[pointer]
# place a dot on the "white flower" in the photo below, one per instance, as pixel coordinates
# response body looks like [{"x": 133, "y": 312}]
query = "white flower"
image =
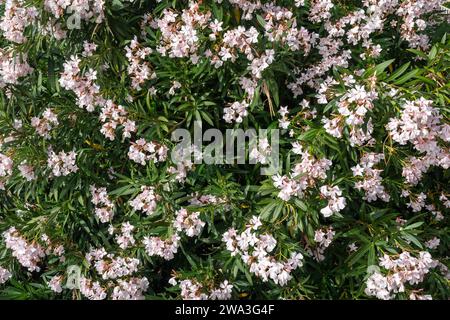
[
  {"x": 146, "y": 201},
  {"x": 433, "y": 243},
  {"x": 189, "y": 223},
  {"x": 5, "y": 275},
  {"x": 28, "y": 254},
  {"x": 62, "y": 163},
  {"x": 55, "y": 284}
]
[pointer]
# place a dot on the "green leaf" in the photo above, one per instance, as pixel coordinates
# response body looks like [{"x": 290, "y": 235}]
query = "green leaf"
[
  {"x": 413, "y": 225},
  {"x": 432, "y": 53},
  {"x": 261, "y": 21},
  {"x": 407, "y": 76},
  {"x": 382, "y": 66},
  {"x": 398, "y": 72}
]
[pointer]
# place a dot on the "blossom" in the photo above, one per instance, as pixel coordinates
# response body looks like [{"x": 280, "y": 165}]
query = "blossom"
[
  {"x": 320, "y": 10},
  {"x": 88, "y": 49},
  {"x": 132, "y": 289},
  {"x": 142, "y": 151},
  {"x": 62, "y": 163},
  {"x": 236, "y": 112},
  {"x": 84, "y": 87},
  {"x": 371, "y": 178},
  {"x": 223, "y": 292},
  {"x": 28, "y": 254},
  {"x": 303, "y": 175},
  {"x": 352, "y": 247},
  {"x": 5, "y": 275},
  {"x": 146, "y": 201},
  {"x": 104, "y": 207},
  {"x": 404, "y": 269},
  {"x": 433, "y": 243},
  {"x": 12, "y": 68},
  {"x": 15, "y": 19},
  {"x": 179, "y": 31},
  {"x": 191, "y": 289},
  {"x": 261, "y": 153},
  {"x": 138, "y": 68},
  {"x": 163, "y": 248},
  {"x": 84, "y": 9},
  {"x": 92, "y": 290},
  {"x": 6, "y": 165},
  {"x": 112, "y": 116},
  {"x": 420, "y": 124},
  {"x": 44, "y": 125},
  {"x": 254, "y": 250},
  {"x": 377, "y": 285},
  {"x": 111, "y": 267},
  {"x": 175, "y": 85},
  {"x": 125, "y": 239},
  {"x": 188, "y": 222},
  {"x": 27, "y": 171},
  {"x": 55, "y": 284},
  {"x": 335, "y": 202},
  {"x": 323, "y": 237}
]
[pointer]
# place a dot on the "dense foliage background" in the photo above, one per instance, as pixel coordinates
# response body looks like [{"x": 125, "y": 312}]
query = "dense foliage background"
[{"x": 91, "y": 92}]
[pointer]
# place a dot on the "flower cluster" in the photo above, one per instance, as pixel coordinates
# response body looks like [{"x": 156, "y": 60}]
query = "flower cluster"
[
  {"x": 255, "y": 249},
  {"x": 125, "y": 238},
  {"x": 420, "y": 124},
  {"x": 188, "y": 222},
  {"x": 132, "y": 289},
  {"x": 183, "y": 160},
  {"x": 236, "y": 112},
  {"x": 82, "y": 9},
  {"x": 92, "y": 290},
  {"x": 6, "y": 166},
  {"x": 142, "y": 151},
  {"x": 55, "y": 283},
  {"x": 146, "y": 201},
  {"x": 352, "y": 109},
  {"x": 155, "y": 246},
  {"x": 284, "y": 121},
  {"x": 303, "y": 175},
  {"x": 44, "y": 125},
  {"x": 28, "y": 254},
  {"x": 404, "y": 269},
  {"x": 185, "y": 222},
  {"x": 5, "y": 275},
  {"x": 12, "y": 67},
  {"x": 323, "y": 237},
  {"x": 104, "y": 207},
  {"x": 179, "y": 37},
  {"x": 62, "y": 163},
  {"x": 111, "y": 267},
  {"x": 433, "y": 243},
  {"x": 206, "y": 199},
  {"x": 262, "y": 152},
  {"x": 27, "y": 171},
  {"x": 84, "y": 87},
  {"x": 335, "y": 202},
  {"x": 371, "y": 183},
  {"x": 194, "y": 290},
  {"x": 15, "y": 19},
  {"x": 113, "y": 115},
  {"x": 139, "y": 69},
  {"x": 88, "y": 49}
]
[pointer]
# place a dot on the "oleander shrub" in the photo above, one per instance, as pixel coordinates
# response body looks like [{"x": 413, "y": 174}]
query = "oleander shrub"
[{"x": 98, "y": 199}]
